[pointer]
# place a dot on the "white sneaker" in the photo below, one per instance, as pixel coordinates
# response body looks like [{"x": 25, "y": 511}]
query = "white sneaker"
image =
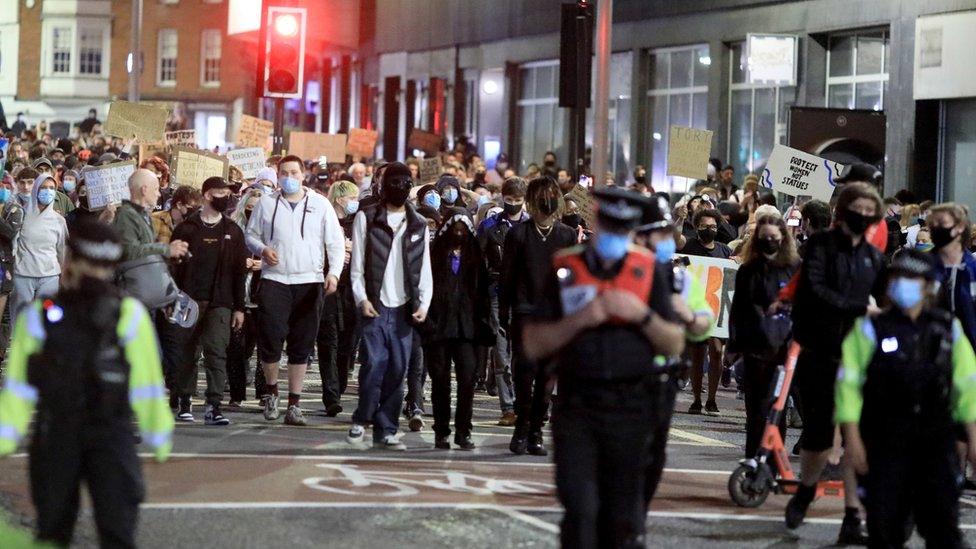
[
  {"x": 392, "y": 442},
  {"x": 271, "y": 412},
  {"x": 356, "y": 435}
]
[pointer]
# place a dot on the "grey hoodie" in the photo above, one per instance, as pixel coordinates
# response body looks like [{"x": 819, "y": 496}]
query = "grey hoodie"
[{"x": 40, "y": 246}]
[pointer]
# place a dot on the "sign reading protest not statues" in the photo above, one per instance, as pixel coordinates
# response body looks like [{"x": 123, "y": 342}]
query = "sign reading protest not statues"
[
  {"x": 108, "y": 184},
  {"x": 796, "y": 173}
]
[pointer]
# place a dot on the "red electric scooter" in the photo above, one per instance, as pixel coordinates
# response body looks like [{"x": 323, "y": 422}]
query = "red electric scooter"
[{"x": 754, "y": 479}]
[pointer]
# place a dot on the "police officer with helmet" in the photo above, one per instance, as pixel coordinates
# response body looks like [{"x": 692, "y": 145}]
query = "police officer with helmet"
[
  {"x": 604, "y": 312},
  {"x": 87, "y": 359}
]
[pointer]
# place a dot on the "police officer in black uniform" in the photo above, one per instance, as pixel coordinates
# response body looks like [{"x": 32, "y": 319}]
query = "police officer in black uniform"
[{"x": 605, "y": 311}]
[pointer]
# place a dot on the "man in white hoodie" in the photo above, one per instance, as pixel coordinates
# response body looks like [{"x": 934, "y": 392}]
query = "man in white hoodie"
[
  {"x": 292, "y": 230},
  {"x": 40, "y": 247}
]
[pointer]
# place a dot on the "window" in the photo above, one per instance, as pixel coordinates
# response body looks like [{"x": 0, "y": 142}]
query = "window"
[
  {"x": 857, "y": 70},
  {"x": 61, "y": 42},
  {"x": 542, "y": 123},
  {"x": 90, "y": 51},
  {"x": 166, "y": 51},
  {"x": 210, "y": 57},
  {"x": 757, "y": 115},
  {"x": 679, "y": 97}
]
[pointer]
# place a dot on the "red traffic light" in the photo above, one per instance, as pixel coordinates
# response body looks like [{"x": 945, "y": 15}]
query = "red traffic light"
[
  {"x": 286, "y": 25},
  {"x": 284, "y": 52}
]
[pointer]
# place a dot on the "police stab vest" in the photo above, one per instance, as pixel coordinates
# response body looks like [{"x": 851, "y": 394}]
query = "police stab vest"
[{"x": 578, "y": 286}]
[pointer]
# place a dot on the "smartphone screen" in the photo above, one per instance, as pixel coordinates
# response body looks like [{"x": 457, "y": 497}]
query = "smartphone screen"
[{"x": 793, "y": 222}]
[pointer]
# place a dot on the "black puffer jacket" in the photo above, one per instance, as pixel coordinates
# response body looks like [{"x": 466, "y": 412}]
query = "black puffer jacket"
[
  {"x": 757, "y": 284},
  {"x": 460, "y": 305}
]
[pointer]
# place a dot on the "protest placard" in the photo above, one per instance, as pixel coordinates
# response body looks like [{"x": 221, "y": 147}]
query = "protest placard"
[
  {"x": 108, "y": 184},
  {"x": 430, "y": 169},
  {"x": 587, "y": 208},
  {"x": 361, "y": 142},
  {"x": 149, "y": 150},
  {"x": 181, "y": 138},
  {"x": 717, "y": 277},
  {"x": 310, "y": 145},
  {"x": 253, "y": 132},
  {"x": 796, "y": 173},
  {"x": 192, "y": 166},
  {"x": 128, "y": 120},
  {"x": 249, "y": 161},
  {"x": 4, "y": 145},
  {"x": 421, "y": 140},
  {"x": 688, "y": 152}
]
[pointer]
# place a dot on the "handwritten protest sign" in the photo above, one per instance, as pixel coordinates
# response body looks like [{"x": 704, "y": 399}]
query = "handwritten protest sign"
[
  {"x": 430, "y": 169},
  {"x": 717, "y": 276},
  {"x": 108, "y": 184},
  {"x": 253, "y": 132},
  {"x": 309, "y": 145},
  {"x": 361, "y": 142},
  {"x": 249, "y": 161},
  {"x": 181, "y": 138},
  {"x": 428, "y": 142},
  {"x": 796, "y": 173},
  {"x": 4, "y": 145},
  {"x": 192, "y": 166},
  {"x": 688, "y": 152},
  {"x": 587, "y": 207},
  {"x": 144, "y": 122}
]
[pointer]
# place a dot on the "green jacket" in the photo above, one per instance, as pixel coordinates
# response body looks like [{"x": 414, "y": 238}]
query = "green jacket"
[
  {"x": 857, "y": 351},
  {"x": 63, "y": 204},
  {"x": 147, "y": 394},
  {"x": 138, "y": 237}
]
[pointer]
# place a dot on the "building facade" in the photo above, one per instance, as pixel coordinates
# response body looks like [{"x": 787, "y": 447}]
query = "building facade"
[{"x": 493, "y": 68}]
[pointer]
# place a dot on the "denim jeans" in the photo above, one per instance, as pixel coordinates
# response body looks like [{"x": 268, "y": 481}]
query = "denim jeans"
[
  {"x": 416, "y": 377},
  {"x": 388, "y": 339},
  {"x": 501, "y": 356}
]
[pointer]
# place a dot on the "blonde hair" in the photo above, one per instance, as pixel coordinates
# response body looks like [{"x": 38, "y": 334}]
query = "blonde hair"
[
  {"x": 342, "y": 189},
  {"x": 908, "y": 214}
]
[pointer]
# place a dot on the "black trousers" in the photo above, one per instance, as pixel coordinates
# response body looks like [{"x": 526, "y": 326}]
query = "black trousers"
[
  {"x": 171, "y": 339},
  {"x": 601, "y": 436},
  {"x": 242, "y": 344},
  {"x": 663, "y": 410},
  {"x": 105, "y": 459},
  {"x": 758, "y": 376},
  {"x": 333, "y": 380},
  {"x": 462, "y": 353},
  {"x": 531, "y": 385},
  {"x": 919, "y": 478}
]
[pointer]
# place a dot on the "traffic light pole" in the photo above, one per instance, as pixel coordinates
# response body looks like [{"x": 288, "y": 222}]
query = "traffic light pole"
[{"x": 279, "y": 126}]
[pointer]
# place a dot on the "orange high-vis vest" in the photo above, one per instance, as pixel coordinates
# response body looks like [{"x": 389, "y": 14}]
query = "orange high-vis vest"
[{"x": 578, "y": 286}]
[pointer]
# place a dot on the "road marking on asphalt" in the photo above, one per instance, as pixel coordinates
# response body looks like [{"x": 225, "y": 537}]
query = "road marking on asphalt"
[
  {"x": 530, "y": 520},
  {"x": 697, "y": 440}
]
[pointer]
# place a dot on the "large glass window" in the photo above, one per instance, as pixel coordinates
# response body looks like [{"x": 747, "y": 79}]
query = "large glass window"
[
  {"x": 679, "y": 97},
  {"x": 167, "y": 47},
  {"x": 958, "y": 151},
  {"x": 61, "y": 42},
  {"x": 857, "y": 70},
  {"x": 757, "y": 115},
  {"x": 210, "y": 57},
  {"x": 542, "y": 123},
  {"x": 90, "y": 51}
]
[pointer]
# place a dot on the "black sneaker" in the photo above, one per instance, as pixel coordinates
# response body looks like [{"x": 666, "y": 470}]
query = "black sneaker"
[
  {"x": 441, "y": 443},
  {"x": 712, "y": 409},
  {"x": 464, "y": 443},
  {"x": 184, "y": 412},
  {"x": 520, "y": 441},
  {"x": 851, "y": 532},
  {"x": 796, "y": 511},
  {"x": 212, "y": 416},
  {"x": 695, "y": 408},
  {"x": 332, "y": 410},
  {"x": 535, "y": 446},
  {"x": 726, "y": 377}
]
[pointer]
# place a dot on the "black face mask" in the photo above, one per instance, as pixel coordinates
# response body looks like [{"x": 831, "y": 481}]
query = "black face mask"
[
  {"x": 707, "y": 236},
  {"x": 941, "y": 236},
  {"x": 395, "y": 195},
  {"x": 856, "y": 222},
  {"x": 641, "y": 179},
  {"x": 220, "y": 203},
  {"x": 549, "y": 163},
  {"x": 549, "y": 206},
  {"x": 247, "y": 214},
  {"x": 769, "y": 246},
  {"x": 512, "y": 209},
  {"x": 191, "y": 211},
  {"x": 573, "y": 220}
]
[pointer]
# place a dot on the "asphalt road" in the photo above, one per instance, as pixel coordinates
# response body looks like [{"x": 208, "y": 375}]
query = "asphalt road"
[{"x": 256, "y": 483}]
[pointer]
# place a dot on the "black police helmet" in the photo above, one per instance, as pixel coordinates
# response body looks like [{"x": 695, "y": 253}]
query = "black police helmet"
[{"x": 913, "y": 263}]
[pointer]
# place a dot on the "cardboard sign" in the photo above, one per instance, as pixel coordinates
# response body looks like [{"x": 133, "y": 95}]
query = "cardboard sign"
[
  {"x": 249, "y": 161},
  {"x": 361, "y": 143},
  {"x": 181, "y": 138},
  {"x": 254, "y": 132},
  {"x": 128, "y": 120},
  {"x": 717, "y": 276},
  {"x": 688, "y": 152},
  {"x": 4, "y": 146},
  {"x": 310, "y": 145},
  {"x": 108, "y": 184},
  {"x": 428, "y": 142},
  {"x": 796, "y": 173},
  {"x": 587, "y": 206},
  {"x": 430, "y": 169},
  {"x": 149, "y": 150},
  {"x": 193, "y": 166}
]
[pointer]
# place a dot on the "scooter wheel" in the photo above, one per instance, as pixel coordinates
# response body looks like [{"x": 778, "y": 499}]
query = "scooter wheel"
[{"x": 742, "y": 489}]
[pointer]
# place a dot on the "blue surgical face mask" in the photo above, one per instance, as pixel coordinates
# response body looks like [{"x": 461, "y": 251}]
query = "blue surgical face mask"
[
  {"x": 69, "y": 185},
  {"x": 46, "y": 196},
  {"x": 450, "y": 195},
  {"x": 483, "y": 199},
  {"x": 289, "y": 185},
  {"x": 906, "y": 292},
  {"x": 4, "y": 194},
  {"x": 352, "y": 207},
  {"x": 611, "y": 246},
  {"x": 433, "y": 200},
  {"x": 664, "y": 250}
]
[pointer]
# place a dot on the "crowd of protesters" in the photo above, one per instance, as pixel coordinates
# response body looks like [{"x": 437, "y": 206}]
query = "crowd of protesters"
[{"x": 363, "y": 269}]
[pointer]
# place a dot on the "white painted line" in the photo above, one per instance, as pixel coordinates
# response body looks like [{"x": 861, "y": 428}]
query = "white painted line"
[{"x": 530, "y": 520}]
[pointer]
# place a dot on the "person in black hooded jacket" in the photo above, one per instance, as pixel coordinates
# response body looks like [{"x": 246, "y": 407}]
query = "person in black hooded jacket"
[{"x": 458, "y": 321}]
